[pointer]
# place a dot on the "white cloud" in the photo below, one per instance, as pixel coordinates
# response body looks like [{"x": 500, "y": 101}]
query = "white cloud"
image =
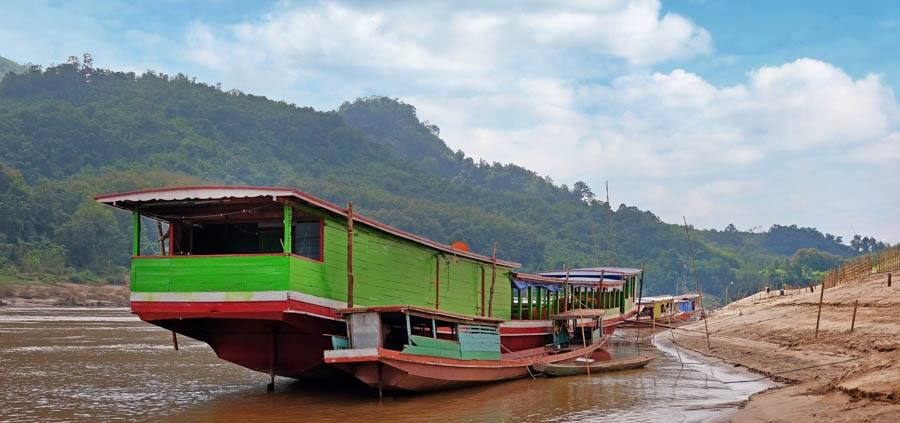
[
  {"x": 459, "y": 42},
  {"x": 570, "y": 91}
]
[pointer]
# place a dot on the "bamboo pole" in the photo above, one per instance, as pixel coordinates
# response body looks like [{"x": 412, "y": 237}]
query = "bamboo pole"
[
  {"x": 494, "y": 280},
  {"x": 853, "y": 321},
  {"x": 350, "y": 255},
  {"x": 638, "y": 317},
  {"x": 697, "y": 279},
  {"x": 482, "y": 292},
  {"x": 819, "y": 313},
  {"x": 437, "y": 282}
]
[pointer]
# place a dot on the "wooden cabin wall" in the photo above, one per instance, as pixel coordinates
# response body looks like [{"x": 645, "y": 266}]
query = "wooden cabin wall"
[{"x": 389, "y": 271}]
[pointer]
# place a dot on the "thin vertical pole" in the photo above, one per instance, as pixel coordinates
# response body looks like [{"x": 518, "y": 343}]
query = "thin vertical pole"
[
  {"x": 493, "y": 280},
  {"x": 637, "y": 335},
  {"x": 437, "y": 282},
  {"x": 350, "y": 254},
  {"x": 272, "y": 358},
  {"x": 819, "y": 313},
  {"x": 853, "y": 322},
  {"x": 136, "y": 234},
  {"x": 540, "y": 306},
  {"x": 697, "y": 279},
  {"x": 482, "y": 291},
  {"x": 175, "y": 340},
  {"x": 566, "y": 289}
]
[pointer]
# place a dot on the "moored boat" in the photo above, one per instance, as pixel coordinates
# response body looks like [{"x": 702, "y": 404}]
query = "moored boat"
[
  {"x": 536, "y": 297},
  {"x": 405, "y": 348},
  {"x": 259, "y": 273},
  {"x": 580, "y": 366}
]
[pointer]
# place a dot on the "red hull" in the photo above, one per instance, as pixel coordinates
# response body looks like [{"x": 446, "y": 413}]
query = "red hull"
[
  {"x": 257, "y": 335},
  {"x": 396, "y": 371}
]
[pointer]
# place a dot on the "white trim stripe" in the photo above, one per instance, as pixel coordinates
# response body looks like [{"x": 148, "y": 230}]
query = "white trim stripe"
[
  {"x": 220, "y": 297},
  {"x": 209, "y": 297}
]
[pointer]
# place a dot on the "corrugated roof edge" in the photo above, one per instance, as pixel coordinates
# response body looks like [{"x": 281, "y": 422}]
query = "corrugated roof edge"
[{"x": 111, "y": 199}]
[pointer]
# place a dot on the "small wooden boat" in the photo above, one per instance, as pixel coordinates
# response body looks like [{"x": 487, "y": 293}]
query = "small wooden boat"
[
  {"x": 582, "y": 366},
  {"x": 405, "y": 348}
]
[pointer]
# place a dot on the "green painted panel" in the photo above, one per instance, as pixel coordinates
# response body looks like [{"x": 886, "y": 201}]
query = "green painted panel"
[
  {"x": 432, "y": 347},
  {"x": 210, "y": 274},
  {"x": 388, "y": 271}
]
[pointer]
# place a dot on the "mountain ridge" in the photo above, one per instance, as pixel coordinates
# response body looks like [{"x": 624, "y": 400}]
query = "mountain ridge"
[{"x": 66, "y": 139}]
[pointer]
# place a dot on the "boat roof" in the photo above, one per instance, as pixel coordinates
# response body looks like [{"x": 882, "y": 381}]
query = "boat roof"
[
  {"x": 687, "y": 297},
  {"x": 594, "y": 272},
  {"x": 532, "y": 279},
  {"x": 425, "y": 312},
  {"x": 132, "y": 200},
  {"x": 656, "y": 299}
]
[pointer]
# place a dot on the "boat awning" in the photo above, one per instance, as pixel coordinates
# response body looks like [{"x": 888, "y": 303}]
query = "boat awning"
[
  {"x": 428, "y": 313},
  {"x": 657, "y": 299},
  {"x": 525, "y": 280},
  {"x": 137, "y": 200},
  {"x": 607, "y": 272}
]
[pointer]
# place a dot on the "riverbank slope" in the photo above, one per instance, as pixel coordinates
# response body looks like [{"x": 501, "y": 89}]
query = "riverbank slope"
[{"x": 838, "y": 376}]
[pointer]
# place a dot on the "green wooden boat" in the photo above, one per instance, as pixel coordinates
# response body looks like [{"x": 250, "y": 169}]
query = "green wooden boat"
[{"x": 580, "y": 366}]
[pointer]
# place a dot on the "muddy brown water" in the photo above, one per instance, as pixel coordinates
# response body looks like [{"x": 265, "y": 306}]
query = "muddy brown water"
[{"x": 103, "y": 364}]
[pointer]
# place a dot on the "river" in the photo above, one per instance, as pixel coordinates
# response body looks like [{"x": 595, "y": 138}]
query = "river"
[{"x": 90, "y": 364}]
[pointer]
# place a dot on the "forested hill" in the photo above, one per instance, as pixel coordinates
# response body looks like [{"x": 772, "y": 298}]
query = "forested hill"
[
  {"x": 7, "y": 66},
  {"x": 64, "y": 139}
]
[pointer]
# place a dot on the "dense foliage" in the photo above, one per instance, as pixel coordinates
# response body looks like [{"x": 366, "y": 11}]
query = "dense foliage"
[
  {"x": 64, "y": 139},
  {"x": 7, "y": 66}
]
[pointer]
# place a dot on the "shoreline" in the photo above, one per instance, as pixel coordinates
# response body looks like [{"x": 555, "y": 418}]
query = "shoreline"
[
  {"x": 39, "y": 294},
  {"x": 721, "y": 370},
  {"x": 838, "y": 375}
]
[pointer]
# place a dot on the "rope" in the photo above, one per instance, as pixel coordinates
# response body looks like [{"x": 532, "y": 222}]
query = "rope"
[{"x": 794, "y": 370}]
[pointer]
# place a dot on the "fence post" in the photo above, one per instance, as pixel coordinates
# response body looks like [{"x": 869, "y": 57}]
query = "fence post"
[
  {"x": 819, "y": 314},
  {"x": 853, "y": 321}
]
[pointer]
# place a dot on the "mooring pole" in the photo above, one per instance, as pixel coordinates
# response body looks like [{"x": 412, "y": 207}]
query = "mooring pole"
[
  {"x": 853, "y": 321},
  {"x": 697, "y": 279},
  {"x": 272, "y": 358},
  {"x": 819, "y": 314},
  {"x": 350, "y": 255},
  {"x": 637, "y": 318},
  {"x": 175, "y": 340},
  {"x": 889, "y": 280}
]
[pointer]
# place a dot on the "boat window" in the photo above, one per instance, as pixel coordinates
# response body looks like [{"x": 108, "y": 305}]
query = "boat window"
[{"x": 307, "y": 239}]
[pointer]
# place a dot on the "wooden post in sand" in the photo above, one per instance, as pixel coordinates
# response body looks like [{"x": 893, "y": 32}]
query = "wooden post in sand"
[
  {"x": 819, "y": 314},
  {"x": 697, "y": 279},
  {"x": 853, "y": 321}
]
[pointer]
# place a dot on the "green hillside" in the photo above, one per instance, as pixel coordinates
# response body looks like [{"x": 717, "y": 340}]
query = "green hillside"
[
  {"x": 7, "y": 66},
  {"x": 64, "y": 140}
]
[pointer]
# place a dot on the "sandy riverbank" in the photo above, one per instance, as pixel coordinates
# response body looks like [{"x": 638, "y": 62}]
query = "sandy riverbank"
[
  {"x": 40, "y": 294},
  {"x": 839, "y": 376}
]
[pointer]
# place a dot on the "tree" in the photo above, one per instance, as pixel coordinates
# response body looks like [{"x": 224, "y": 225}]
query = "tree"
[
  {"x": 731, "y": 228},
  {"x": 583, "y": 191}
]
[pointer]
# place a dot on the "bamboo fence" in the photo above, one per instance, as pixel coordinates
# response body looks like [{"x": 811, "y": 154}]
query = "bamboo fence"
[{"x": 886, "y": 260}]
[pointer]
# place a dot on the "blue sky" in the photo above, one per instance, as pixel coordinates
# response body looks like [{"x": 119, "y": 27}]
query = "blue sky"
[{"x": 750, "y": 113}]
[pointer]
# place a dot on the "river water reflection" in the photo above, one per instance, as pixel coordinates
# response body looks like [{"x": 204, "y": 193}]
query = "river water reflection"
[{"x": 89, "y": 364}]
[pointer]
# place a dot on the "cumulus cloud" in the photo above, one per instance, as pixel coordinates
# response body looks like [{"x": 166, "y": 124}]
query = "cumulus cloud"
[
  {"x": 571, "y": 90},
  {"x": 458, "y": 40}
]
